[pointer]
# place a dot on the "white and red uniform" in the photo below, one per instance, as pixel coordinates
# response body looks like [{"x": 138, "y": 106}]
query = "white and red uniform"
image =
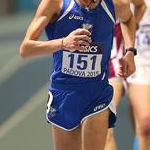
[
  {"x": 116, "y": 52},
  {"x": 142, "y": 60}
]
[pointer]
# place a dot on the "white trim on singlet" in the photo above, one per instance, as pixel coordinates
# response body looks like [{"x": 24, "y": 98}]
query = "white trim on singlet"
[
  {"x": 67, "y": 10},
  {"x": 103, "y": 4},
  {"x": 107, "y": 10}
]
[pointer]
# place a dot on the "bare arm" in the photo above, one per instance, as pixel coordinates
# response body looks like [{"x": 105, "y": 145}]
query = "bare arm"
[
  {"x": 128, "y": 27},
  {"x": 127, "y": 20},
  {"x": 46, "y": 13},
  {"x": 30, "y": 45},
  {"x": 140, "y": 8}
]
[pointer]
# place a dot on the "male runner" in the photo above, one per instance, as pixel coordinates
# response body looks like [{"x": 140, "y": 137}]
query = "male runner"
[{"x": 80, "y": 36}]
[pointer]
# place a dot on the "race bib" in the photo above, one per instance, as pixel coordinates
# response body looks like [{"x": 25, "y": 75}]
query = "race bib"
[
  {"x": 83, "y": 64},
  {"x": 143, "y": 39}
]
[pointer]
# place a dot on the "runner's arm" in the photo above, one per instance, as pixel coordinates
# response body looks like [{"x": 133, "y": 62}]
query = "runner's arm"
[
  {"x": 31, "y": 46},
  {"x": 139, "y": 10},
  {"x": 127, "y": 21},
  {"x": 128, "y": 27},
  {"x": 46, "y": 13}
]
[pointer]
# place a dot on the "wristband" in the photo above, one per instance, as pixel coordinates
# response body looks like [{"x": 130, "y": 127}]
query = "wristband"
[{"x": 132, "y": 49}]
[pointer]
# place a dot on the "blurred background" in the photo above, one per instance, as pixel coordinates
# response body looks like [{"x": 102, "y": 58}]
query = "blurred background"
[{"x": 23, "y": 87}]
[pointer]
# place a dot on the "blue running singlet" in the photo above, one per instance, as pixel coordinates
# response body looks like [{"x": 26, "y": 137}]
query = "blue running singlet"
[{"x": 79, "y": 83}]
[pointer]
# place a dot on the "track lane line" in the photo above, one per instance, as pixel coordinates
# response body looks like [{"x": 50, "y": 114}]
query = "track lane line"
[{"x": 34, "y": 102}]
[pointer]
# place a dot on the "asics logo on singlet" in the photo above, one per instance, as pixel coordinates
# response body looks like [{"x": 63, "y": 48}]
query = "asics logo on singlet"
[
  {"x": 99, "y": 107},
  {"x": 75, "y": 17},
  {"x": 91, "y": 49}
]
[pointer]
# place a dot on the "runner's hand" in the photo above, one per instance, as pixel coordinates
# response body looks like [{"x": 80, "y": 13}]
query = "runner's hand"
[
  {"x": 77, "y": 40},
  {"x": 128, "y": 65}
]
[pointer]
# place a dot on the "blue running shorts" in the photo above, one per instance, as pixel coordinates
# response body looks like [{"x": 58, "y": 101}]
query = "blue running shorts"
[{"x": 70, "y": 104}]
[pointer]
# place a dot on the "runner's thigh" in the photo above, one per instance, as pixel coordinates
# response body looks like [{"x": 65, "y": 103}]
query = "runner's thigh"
[
  {"x": 118, "y": 91},
  {"x": 94, "y": 131},
  {"x": 140, "y": 100},
  {"x": 66, "y": 140}
]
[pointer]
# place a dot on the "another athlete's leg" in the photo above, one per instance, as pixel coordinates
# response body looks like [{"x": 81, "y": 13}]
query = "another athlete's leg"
[
  {"x": 136, "y": 141},
  {"x": 94, "y": 131},
  {"x": 66, "y": 140},
  {"x": 110, "y": 142},
  {"x": 118, "y": 91},
  {"x": 140, "y": 100}
]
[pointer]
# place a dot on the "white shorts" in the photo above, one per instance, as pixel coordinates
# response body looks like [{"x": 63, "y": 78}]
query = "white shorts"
[{"x": 142, "y": 73}]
